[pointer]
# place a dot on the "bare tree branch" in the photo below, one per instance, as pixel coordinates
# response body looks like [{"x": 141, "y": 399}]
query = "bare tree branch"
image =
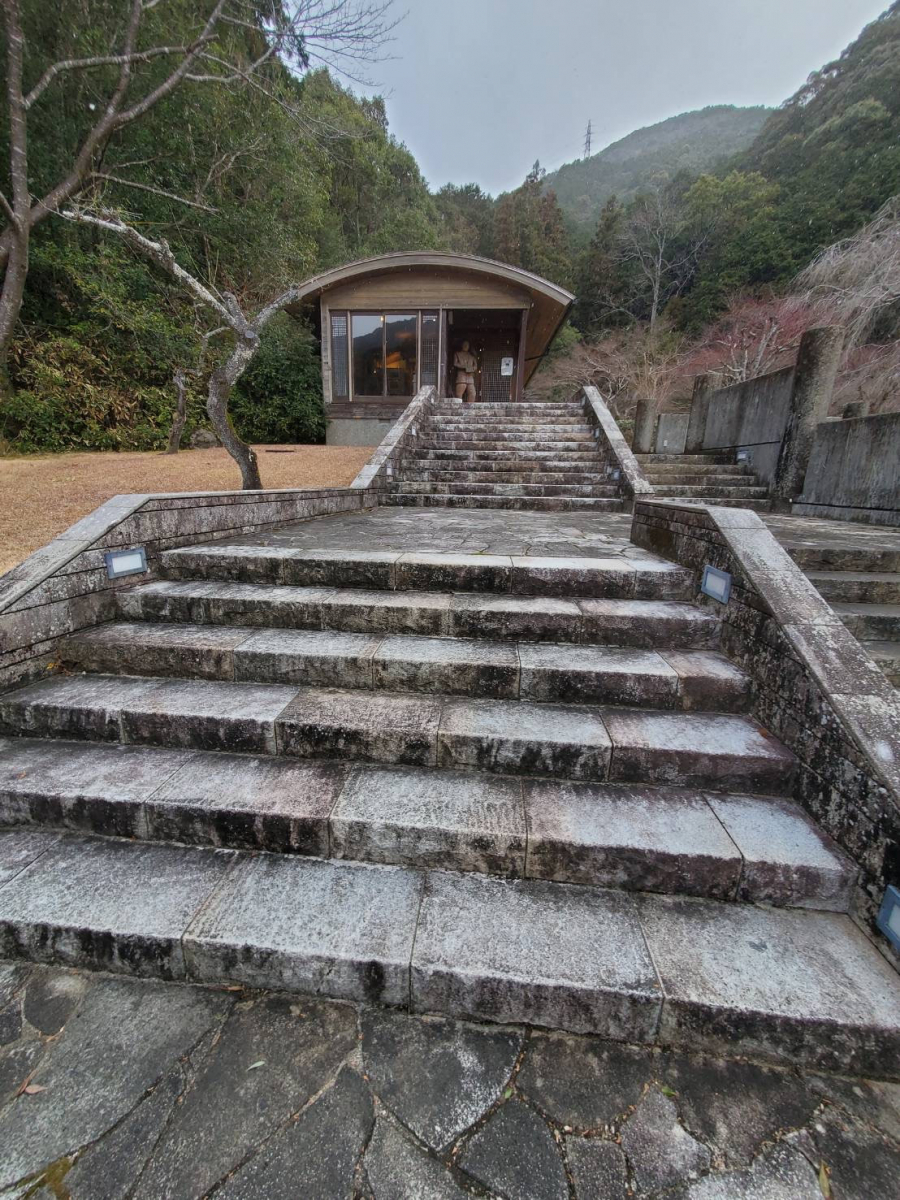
[{"x": 146, "y": 187}]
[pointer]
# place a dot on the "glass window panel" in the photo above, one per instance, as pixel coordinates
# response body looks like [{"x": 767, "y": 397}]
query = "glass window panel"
[
  {"x": 340, "y": 381},
  {"x": 368, "y": 355},
  {"x": 400, "y": 354},
  {"x": 429, "y": 367}
]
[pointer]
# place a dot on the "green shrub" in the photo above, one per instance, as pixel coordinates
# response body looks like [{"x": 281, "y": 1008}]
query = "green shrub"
[{"x": 279, "y": 396}]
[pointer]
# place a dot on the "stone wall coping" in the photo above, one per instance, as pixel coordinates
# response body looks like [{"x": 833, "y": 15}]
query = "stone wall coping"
[
  {"x": 634, "y": 480},
  {"x": 84, "y": 533},
  {"x": 390, "y": 444},
  {"x": 866, "y": 704}
]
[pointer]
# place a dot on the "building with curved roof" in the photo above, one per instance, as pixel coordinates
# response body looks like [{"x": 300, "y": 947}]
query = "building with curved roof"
[{"x": 392, "y": 324}]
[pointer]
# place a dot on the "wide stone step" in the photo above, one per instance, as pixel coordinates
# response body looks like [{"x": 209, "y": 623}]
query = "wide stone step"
[
  {"x": 516, "y": 444},
  {"x": 871, "y": 622},
  {"x": 781, "y": 983},
  {"x": 647, "y": 623},
  {"x": 461, "y": 473},
  {"x": 513, "y": 503},
  {"x": 559, "y": 673},
  {"x": 725, "y": 752},
  {"x": 691, "y": 460},
  {"x": 887, "y": 655},
  {"x": 509, "y": 429},
  {"x": 666, "y": 471},
  {"x": 857, "y": 587},
  {"x": 661, "y": 479},
  {"x": 710, "y": 493},
  {"x": 726, "y": 502},
  {"x": 673, "y": 840},
  {"x": 466, "y": 487},
  {"x": 529, "y": 575},
  {"x": 438, "y": 454}
]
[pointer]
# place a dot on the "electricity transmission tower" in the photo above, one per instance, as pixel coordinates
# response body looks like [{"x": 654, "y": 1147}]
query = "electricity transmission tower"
[{"x": 587, "y": 141}]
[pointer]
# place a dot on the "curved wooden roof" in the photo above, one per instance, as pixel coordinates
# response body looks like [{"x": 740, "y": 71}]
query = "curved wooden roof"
[
  {"x": 413, "y": 259},
  {"x": 503, "y": 286}
]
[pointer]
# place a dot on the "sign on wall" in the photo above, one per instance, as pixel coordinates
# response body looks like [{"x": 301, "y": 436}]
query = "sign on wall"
[{"x": 506, "y": 366}]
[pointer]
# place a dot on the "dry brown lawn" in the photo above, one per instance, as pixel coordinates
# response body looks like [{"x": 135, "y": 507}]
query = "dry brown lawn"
[{"x": 41, "y": 496}]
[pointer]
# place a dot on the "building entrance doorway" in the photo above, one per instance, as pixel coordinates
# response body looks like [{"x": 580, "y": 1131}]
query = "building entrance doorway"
[{"x": 495, "y": 338}]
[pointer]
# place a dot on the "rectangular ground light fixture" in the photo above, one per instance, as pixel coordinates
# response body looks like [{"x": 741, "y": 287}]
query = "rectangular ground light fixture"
[
  {"x": 716, "y": 584},
  {"x": 125, "y": 562},
  {"x": 889, "y": 916}
]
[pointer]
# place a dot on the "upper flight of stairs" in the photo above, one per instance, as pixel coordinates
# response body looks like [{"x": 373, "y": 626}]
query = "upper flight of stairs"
[
  {"x": 709, "y": 478},
  {"x": 511, "y": 789},
  {"x": 538, "y": 456}
]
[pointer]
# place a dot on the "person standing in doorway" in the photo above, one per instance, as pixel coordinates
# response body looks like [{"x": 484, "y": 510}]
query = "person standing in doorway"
[{"x": 465, "y": 364}]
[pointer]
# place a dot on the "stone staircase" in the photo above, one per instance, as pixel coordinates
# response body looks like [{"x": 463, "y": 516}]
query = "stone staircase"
[
  {"x": 863, "y": 588},
  {"x": 709, "y": 478},
  {"x": 511, "y": 789},
  {"x": 537, "y": 456}
]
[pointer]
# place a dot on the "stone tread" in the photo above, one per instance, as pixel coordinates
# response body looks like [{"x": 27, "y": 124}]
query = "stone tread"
[
  {"x": 791, "y": 984},
  {"x": 726, "y": 752},
  {"x": 753, "y": 848},
  {"x": 857, "y": 587},
  {"x": 614, "y": 577},
  {"x": 673, "y": 623},
  {"x": 556, "y": 672},
  {"x": 514, "y": 503}
]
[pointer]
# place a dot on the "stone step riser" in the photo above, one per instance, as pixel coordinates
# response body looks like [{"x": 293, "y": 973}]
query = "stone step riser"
[
  {"x": 498, "y": 456},
  {"x": 873, "y": 627},
  {"x": 671, "y": 840},
  {"x": 850, "y": 589},
  {"x": 735, "y": 492},
  {"x": 523, "y": 446},
  {"x": 566, "y": 429},
  {"x": 727, "y": 502},
  {"x": 662, "y": 472},
  {"x": 660, "y": 480},
  {"x": 606, "y": 578},
  {"x": 639, "y": 969},
  {"x": 559, "y": 674},
  {"x": 684, "y": 460},
  {"x": 461, "y": 475},
  {"x": 513, "y": 503},
  {"x": 622, "y": 745},
  {"x": 464, "y": 487},
  {"x": 839, "y": 558},
  {"x": 641, "y": 624}
]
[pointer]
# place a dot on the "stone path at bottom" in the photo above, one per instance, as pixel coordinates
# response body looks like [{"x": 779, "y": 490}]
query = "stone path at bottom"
[{"x": 114, "y": 1088}]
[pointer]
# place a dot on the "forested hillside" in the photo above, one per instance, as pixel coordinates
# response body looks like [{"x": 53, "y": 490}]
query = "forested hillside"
[
  {"x": 265, "y": 170},
  {"x": 692, "y": 141}
]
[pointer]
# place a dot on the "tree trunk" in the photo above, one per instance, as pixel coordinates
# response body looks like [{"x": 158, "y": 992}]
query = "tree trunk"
[
  {"x": 220, "y": 384},
  {"x": 180, "y": 416},
  {"x": 11, "y": 299}
]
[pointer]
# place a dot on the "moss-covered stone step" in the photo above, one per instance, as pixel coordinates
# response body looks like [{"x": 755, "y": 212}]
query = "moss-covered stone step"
[
  {"x": 644, "y": 838},
  {"x": 725, "y": 752},
  {"x": 806, "y": 987}
]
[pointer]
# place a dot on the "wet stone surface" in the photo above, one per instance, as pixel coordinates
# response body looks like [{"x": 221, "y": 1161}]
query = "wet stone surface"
[{"x": 113, "y": 1088}]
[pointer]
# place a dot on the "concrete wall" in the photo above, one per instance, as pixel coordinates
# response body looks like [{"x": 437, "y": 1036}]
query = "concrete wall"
[
  {"x": 358, "y": 431},
  {"x": 814, "y": 686},
  {"x": 64, "y": 587},
  {"x": 671, "y": 432},
  {"x": 752, "y": 416},
  {"x": 854, "y": 471}
]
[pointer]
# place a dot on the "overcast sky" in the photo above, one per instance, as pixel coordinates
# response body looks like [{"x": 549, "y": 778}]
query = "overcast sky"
[{"x": 481, "y": 88}]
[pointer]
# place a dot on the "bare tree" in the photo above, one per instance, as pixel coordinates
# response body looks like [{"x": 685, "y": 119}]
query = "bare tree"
[
  {"x": 245, "y": 329},
  {"x": 338, "y": 33},
  {"x": 854, "y": 281}
]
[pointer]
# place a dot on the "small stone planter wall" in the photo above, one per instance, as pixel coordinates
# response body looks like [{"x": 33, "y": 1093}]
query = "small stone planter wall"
[
  {"x": 613, "y": 447},
  {"x": 382, "y": 468},
  {"x": 64, "y": 586},
  {"x": 814, "y": 686}
]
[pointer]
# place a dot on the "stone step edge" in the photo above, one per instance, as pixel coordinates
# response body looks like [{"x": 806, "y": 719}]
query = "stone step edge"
[
  {"x": 547, "y": 672},
  {"x": 605, "y": 578},
  {"x": 499, "y": 825},
  {"x": 578, "y": 742},
  {"x": 638, "y": 968}
]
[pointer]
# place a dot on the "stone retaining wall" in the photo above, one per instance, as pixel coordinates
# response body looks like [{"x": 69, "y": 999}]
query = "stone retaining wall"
[
  {"x": 814, "y": 686},
  {"x": 64, "y": 586},
  {"x": 382, "y": 468},
  {"x": 751, "y": 416},
  {"x": 854, "y": 471},
  {"x": 614, "y": 449}
]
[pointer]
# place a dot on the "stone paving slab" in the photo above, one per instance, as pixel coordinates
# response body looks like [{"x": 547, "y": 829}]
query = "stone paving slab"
[
  {"x": 759, "y": 976},
  {"x": 342, "y": 930},
  {"x": 543, "y": 953},
  {"x": 132, "y": 924},
  {"x": 153, "y": 1089},
  {"x": 451, "y": 820}
]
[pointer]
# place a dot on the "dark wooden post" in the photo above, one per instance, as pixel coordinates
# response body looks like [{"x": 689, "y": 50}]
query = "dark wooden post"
[{"x": 520, "y": 363}]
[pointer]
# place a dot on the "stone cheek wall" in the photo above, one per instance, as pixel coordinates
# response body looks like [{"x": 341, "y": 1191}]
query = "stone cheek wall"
[
  {"x": 64, "y": 586},
  {"x": 752, "y": 416},
  {"x": 613, "y": 448},
  {"x": 814, "y": 687},
  {"x": 383, "y": 467},
  {"x": 854, "y": 471}
]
